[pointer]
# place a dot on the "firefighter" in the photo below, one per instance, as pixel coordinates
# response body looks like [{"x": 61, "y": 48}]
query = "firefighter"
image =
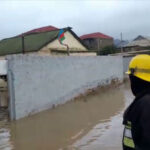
[{"x": 136, "y": 119}]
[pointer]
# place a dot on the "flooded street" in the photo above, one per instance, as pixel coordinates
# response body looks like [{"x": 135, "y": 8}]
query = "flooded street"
[{"x": 90, "y": 123}]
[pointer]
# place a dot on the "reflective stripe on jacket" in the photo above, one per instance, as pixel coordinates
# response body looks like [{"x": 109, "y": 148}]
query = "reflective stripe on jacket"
[{"x": 127, "y": 136}]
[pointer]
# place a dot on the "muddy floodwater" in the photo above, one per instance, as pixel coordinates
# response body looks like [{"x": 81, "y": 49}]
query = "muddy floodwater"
[{"x": 90, "y": 123}]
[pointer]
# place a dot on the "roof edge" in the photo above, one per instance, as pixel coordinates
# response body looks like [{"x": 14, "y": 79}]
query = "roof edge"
[{"x": 93, "y": 35}]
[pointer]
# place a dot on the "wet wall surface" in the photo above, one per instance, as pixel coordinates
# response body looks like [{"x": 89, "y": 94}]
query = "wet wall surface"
[
  {"x": 90, "y": 123},
  {"x": 37, "y": 83}
]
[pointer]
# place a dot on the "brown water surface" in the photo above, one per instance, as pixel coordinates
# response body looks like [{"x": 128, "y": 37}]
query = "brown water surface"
[{"x": 90, "y": 123}]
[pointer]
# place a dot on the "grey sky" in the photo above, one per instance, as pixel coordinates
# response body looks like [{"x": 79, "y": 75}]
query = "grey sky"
[{"x": 132, "y": 17}]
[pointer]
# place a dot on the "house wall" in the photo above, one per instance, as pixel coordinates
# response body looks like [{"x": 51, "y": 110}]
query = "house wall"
[
  {"x": 47, "y": 52},
  {"x": 83, "y": 54},
  {"x": 39, "y": 82},
  {"x": 74, "y": 54},
  {"x": 135, "y": 48},
  {"x": 105, "y": 42},
  {"x": 72, "y": 42},
  {"x": 3, "y": 93},
  {"x": 43, "y": 52},
  {"x": 128, "y": 49},
  {"x": 97, "y": 43},
  {"x": 91, "y": 43}
]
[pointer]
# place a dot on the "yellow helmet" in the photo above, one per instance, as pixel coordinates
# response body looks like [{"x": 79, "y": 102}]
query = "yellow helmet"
[{"x": 140, "y": 67}]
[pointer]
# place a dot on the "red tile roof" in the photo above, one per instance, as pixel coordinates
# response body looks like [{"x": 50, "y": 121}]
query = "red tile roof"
[
  {"x": 42, "y": 29},
  {"x": 95, "y": 35}
]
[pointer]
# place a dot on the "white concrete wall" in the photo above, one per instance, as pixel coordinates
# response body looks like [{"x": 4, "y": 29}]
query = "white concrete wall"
[
  {"x": 72, "y": 42},
  {"x": 39, "y": 82},
  {"x": 126, "y": 61}
]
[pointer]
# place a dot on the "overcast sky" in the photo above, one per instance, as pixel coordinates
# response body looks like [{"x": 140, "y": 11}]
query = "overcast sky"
[{"x": 111, "y": 17}]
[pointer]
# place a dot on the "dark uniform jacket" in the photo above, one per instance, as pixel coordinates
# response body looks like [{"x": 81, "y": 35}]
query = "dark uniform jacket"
[{"x": 138, "y": 113}]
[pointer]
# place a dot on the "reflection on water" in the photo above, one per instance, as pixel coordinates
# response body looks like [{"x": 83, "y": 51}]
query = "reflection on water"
[
  {"x": 76, "y": 125},
  {"x": 107, "y": 134},
  {"x": 5, "y": 142}
]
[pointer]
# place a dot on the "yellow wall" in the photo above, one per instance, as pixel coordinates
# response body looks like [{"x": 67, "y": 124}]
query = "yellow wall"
[
  {"x": 73, "y": 43},
  {"x": 44, "y": 51}
]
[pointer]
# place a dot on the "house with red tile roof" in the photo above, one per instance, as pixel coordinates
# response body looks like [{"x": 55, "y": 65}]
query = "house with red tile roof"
[
  {"x": 97, "y": 41},
  {"x": 39, "y": 30},
  {"x": 43, "y": 41}
]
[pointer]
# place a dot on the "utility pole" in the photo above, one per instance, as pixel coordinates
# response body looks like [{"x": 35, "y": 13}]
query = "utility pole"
[
  {"x": 23, "y": 50},
  {"x": 121, "y": 43}
]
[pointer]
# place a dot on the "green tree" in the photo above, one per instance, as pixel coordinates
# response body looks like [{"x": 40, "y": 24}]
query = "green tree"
[{"x": 108, "y": 50}]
